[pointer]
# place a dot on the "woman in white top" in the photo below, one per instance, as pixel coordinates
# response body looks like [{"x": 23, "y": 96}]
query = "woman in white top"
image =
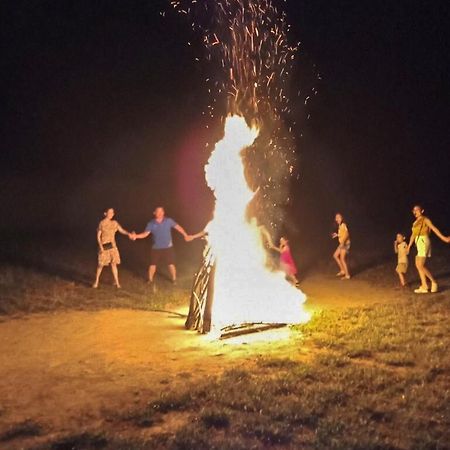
[{"x": 343, "y": 236}]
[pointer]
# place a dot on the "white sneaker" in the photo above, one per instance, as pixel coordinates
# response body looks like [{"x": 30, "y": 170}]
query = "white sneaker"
[
  {"x": 421, "y": 290},
  {"x": 434, "y": 287}
]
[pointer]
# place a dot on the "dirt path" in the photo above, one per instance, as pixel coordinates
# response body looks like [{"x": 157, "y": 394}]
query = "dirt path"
[{"x": 69, "y": 370}]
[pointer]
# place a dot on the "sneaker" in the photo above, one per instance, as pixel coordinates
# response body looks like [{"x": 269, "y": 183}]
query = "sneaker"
[
  {"x": 434, "y": 287},
  {"x": 421, "y": 290}
]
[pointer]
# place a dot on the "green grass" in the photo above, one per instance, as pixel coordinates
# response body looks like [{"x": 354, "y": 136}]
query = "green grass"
[
  {"x": 27, "y": 290},
  {"x": 379, "y": 379},
  {"x": 372, "y": 378}
]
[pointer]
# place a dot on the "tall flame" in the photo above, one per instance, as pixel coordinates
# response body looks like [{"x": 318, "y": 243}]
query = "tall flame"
[{"x": 245, "y": 290}]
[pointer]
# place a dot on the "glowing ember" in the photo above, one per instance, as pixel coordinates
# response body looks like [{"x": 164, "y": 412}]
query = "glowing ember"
[
  {"x": 247, "y": 40},
  {"x": 245, "y": 290},
  {"x": 246, "y": 46}
]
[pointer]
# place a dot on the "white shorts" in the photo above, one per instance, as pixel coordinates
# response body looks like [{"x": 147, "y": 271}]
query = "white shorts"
[{"x": 423, "y": 246}]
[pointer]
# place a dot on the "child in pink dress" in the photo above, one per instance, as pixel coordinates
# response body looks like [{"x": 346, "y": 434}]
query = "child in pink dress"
[{"x": 287, "y": 263}]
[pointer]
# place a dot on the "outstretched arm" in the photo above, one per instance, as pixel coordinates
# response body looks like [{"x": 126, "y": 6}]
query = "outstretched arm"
[
  {"x": 142, "y": 235},
  {"x": 436, "y": 231},
  {"x": 198, "y": 235},
  {"x": 266, "y": 235},
  {"x": 123, "y": 231},
  {"x": 182, "y": 232}
]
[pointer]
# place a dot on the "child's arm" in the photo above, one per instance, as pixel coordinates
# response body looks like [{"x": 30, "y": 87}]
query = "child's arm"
[
  {"x": 266, "y": 235},
  {"x": 395, "y": 247}
]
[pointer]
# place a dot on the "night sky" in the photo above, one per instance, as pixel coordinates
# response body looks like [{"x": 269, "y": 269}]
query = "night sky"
[{"x": 102, "y": 106}]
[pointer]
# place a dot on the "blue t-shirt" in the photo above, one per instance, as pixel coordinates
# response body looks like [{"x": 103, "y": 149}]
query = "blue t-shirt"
[{"x": 162, "y": 232}]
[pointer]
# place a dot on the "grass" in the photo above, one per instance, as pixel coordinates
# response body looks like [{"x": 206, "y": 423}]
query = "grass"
[
  {"x": 25, "y": 290},
  {"x": 373, "y": 383},
  {"x": 373, "y": 378},
  {"x": 37, "y": 277},
  {"x": 23, "y": 429},
  {"x": 84, "y": 441}
]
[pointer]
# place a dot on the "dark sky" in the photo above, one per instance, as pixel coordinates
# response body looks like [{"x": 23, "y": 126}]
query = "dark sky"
[{"x": 102, "y": 103}]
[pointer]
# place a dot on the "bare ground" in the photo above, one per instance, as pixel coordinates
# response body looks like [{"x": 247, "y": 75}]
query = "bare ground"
[{"x": 71, "y": 371}]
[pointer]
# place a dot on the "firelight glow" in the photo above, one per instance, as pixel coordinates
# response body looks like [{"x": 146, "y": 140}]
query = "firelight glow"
[{"x": 245, "y": 289}]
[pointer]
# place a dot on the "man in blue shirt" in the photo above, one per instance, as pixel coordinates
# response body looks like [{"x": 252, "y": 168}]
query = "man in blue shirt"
[{"x": 162, "y": 250}]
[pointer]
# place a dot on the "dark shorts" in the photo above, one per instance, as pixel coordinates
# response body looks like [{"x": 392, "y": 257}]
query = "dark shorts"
[{"x": 164, "y": 256}]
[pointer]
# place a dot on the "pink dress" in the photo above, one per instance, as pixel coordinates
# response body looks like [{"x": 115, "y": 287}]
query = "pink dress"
[{"x": 287, "y": 262}]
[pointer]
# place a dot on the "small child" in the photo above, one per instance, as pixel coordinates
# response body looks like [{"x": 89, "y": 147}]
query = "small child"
[
  {"x": 287, "y": 263},
  {"x": 401, "y": 249}
]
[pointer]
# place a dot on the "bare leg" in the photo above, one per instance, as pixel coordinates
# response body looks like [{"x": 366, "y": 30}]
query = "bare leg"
[
  {"x": 151, "y": 273},
  {"x": 115, "y": 273},
  {"x": 173, "y": 272},
  {"x": 420, "y": 264},
  {"x": 428, "y": 274},
  {"x": 97, "y": 276},
  {"x": 343, "y": 255},
  {"x": 338, "y": 261},
  {"x": 401, "y": 276}
]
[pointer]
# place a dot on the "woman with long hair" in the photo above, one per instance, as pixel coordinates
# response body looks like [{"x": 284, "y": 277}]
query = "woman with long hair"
[
  {"x": 340, "y": 255},
  {"x": 420, "y": 236}
]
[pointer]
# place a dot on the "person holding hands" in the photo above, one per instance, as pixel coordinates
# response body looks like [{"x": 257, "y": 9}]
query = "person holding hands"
[
  {"x": 108, "y": 252},
  {"x": 420, "y": 236},
  {"x": 162, "y": 250}
]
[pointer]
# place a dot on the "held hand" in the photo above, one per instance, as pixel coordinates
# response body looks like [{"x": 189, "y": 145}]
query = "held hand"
[
  {"x": 334, "y": 235},
  {"x": 132, "y": 235},
  {"x": 448, "y": 239}
]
